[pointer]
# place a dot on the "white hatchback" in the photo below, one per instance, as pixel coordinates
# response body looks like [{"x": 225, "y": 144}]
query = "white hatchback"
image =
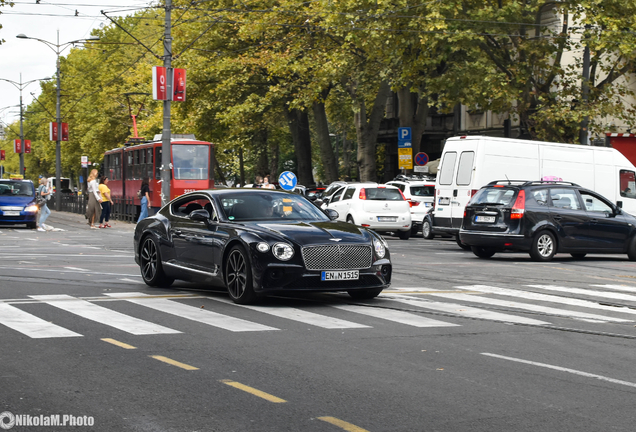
[
  {"x": 375, "y": 206},
  {"x": 420, "y": 194}
]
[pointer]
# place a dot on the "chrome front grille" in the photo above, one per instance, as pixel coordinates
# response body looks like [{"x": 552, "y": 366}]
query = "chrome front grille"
[{"x": 337, "y": 257}]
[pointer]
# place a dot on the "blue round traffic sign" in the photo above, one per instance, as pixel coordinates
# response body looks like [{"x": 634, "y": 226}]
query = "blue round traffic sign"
[
  {"x": 421, "y": 159},
  {"x": 287, "y": 180}
]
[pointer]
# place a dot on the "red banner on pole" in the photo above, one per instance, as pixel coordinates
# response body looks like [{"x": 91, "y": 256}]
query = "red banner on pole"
[
  {"x": 53, "y": 131},
  {"x": 179, "y": 85},
  {"x": 159, "y": 83},
  {"x": 2, "y": 156},
  {"x": 64, "y": 132},
  {"x": 27, "y": 146},
  {"x": 17, "y": 146}
]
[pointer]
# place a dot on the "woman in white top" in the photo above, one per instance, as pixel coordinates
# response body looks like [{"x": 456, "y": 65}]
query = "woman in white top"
[{"x": 94, "y": 208}]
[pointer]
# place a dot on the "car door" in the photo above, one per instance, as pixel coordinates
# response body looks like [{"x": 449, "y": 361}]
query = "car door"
[
  {"x": 606, "y": 229},
  {"x": 336, "y": 204},
  {"x": 346, "y": 202},
  {"x": 569, "y": 218}
]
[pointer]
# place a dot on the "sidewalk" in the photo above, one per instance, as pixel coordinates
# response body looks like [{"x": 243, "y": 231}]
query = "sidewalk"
[{"x": 77, "y": 222}]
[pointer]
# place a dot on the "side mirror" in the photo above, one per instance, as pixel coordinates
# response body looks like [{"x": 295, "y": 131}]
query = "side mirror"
[
  {"x": 332, "y": 214},
  {"x": 619, "y": 204},
  {"x": 200, "y": 215}
]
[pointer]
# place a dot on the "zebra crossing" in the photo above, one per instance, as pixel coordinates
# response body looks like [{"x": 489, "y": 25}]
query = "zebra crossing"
[{"x": 424, "y": 309}]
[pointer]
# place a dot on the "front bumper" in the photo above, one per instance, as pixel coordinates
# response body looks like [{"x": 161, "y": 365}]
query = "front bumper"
[{"x": 498, "y": 241}]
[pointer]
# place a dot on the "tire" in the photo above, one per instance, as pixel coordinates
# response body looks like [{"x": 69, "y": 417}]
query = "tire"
[
  {"x": 482, "y": 252},
  {"x": 631, "y": 250},
  {"x": 427, "y": 230},
  {"x": 543, "y": 246},
  {"x": 414, "y": 231},
  {"x": 150, "y": 264},
  {"x": 365, "y": 294},
  {"x": 238, "y": 276},
  {"x": 350, "y": 220},
  {"x": 462, "y": 244},
  {"x": 404, "y": 235},
  {"x": 578, "y": 255}
]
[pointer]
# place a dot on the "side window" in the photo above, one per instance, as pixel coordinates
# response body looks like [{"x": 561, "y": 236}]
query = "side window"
[
  {"x": 187, "y": 205},
  {"x": 628, "y": 183},
  {"x": 465, "y": 169},
  {"x": 448, "y": 166},
  {"x": 349, "y": 193},
  {"x": 336, "y": 195},
  {"x": 129, "y": 165},
  {"x": 540, "y": 197},
  {"x": 566, "y": 199},
  {"x": 158, "y": 163},
  {"x": 594, "y": 203}
]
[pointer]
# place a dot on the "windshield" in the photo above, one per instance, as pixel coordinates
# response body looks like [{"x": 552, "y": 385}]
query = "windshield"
[
  {"x": 190, "y": 162},
  {"x": 383, "y": 194},
  {"x": 269, "y": 206},
  {"x": 16, "y": 188},
  {"x": 493, "y": 196},
  {"x": 423, "y": 191}
]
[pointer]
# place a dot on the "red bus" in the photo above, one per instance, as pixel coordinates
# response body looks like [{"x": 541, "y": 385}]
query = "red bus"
[{"x": 192, "y": 168}]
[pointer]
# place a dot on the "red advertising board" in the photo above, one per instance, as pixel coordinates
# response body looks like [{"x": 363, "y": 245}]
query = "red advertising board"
[
  {"x": 53, "y": 131},
  {"x": 159, "y": 83},
  {"x": 27, "y": 146},
  {"x": 179, "y": 85},
  {"x": 17, "y": 146},
  {"x": 2, "y": 156}
]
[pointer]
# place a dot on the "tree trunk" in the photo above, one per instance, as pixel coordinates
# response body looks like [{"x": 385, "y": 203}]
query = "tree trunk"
[
  {"x": 273, "y": 162},
  {"x": 413, "y": 111},
  {"x": 299, "y": 128},
  {"x": 241, "y": 167},
  {"x": 259, "y": 142},
  {"x": 346, "y": 157},
  {"x": 326, "y": 151},
  {"x": 367, "y": 126}
]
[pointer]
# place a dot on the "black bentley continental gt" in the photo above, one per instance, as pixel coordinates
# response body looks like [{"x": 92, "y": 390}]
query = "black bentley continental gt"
[{"x": 259, "y": 241}]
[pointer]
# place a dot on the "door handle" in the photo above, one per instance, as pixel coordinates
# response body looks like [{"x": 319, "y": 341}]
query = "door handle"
[{"x": 557, "y": 218}]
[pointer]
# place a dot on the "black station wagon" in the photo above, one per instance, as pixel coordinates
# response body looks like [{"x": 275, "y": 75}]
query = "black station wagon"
[{"x": 545, "y": 218}]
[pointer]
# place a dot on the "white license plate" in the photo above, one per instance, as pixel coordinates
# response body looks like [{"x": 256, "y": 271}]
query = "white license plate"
[
  {"x": 387, "y": 219},
  {"x": 444, "y": 201},
  {"x": 12, "y": 213},
  {"x": 486, "y": 219},
  {"x": 340, "y": 275}
]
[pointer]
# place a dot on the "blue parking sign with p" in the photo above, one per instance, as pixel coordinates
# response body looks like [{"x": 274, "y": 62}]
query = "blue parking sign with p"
[
  {"x": 404, "y": 134},
  {"x": 287, "y": 180}
]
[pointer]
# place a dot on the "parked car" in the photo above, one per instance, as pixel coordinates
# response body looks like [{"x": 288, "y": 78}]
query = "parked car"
[
  {"x": 17, "y": 203},
  {"x": 256, "y": 242},
  {"x": 545, "y": 218},
  {"x": 371, "y": 205},
  {"x": 329, "y": 191},
  {"x": 420, "y": 193}
]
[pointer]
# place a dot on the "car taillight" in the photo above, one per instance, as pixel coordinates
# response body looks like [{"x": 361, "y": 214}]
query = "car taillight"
[
  {"x": 519, "y": 207},
  {"x": 363, "y": 194},
  {"x": 473, "y": 192},
  {"x": 413, "y": 203}
]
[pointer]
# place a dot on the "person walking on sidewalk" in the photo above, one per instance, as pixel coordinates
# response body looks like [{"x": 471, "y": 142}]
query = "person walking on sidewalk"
[
  {"x": 145, "y": 199},
  {"x": 94, "y": 209},
  {"x": 107, "y": 201},
  {"x": 44, "y": 210}
]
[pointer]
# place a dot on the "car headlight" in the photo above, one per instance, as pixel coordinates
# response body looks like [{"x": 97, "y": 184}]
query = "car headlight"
[
  {"x": 283, "y": 251},
  {"x": 31, "y": 209},
  {"x": 380, "y": 250},
  {"x": 262, "y": 247}
]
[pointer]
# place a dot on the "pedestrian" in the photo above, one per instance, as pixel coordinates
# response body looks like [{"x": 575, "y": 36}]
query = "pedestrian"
[
  {"x": 106, "y": 203},
  {"x": 258, "y": 182},
  {"x": 44, "y": 209},
  {"x": 144, "y": 192},
  {"x": 93, "y": 209},
  {"x": 267, "y": 184}
]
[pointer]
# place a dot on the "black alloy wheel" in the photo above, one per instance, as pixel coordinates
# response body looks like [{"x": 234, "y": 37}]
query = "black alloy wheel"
[
  {"x": 543, "y": 246},
  {"x": 482, "y": 252},
  {"x": 461, "y": 244},
  {"x": 427, "y": 230},
  {"x": 150, "y": 264},
  {"x": 365, "y": 294},
  {"x": 238, "y": 276}
]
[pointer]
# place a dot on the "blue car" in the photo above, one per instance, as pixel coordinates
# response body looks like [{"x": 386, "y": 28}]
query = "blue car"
[{"x": 17, "y": 203}]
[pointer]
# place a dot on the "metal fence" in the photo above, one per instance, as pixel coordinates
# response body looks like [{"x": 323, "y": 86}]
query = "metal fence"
[{"x": 123, "y": 209}]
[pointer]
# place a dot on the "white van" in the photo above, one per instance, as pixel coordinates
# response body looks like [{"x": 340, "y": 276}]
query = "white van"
[{"x": 470, "y": 162}]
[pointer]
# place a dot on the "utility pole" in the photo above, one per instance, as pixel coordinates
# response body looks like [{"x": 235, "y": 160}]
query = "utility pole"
[
  {"x": 585, "y": 90},
  {"x": 166, "y": 166},
  {"x": 21, "y": 130}
]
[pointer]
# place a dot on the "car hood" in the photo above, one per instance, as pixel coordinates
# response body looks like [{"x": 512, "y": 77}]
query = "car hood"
[
  {"x": 16, "y": 201},
  {"x": 308, "y": 233}
]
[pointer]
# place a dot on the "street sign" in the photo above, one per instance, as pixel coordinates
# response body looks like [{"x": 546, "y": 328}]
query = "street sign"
[
  {"x": 84, "y": 161},
  {"x": 404, "y": 144},
  {"x": 287, "y": 180},
  {"x": 421, "y": 159},
  {"x": 420, "y": 169},
  {"x": 405, "y": 158},
  {"x": 404, "y": 137}
]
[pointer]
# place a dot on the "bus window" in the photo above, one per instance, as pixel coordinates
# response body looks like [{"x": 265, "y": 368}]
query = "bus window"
[
  {"x": 117, "y": 166},
  {"x": 136, "y": 166},
  {"x": 129, "y": 165},
  {"x": 190, "y": 162},
  {"x": 158, "y": 163},
  {"x": 212, "y": 165},
  {"x": 148, "y": 163}
]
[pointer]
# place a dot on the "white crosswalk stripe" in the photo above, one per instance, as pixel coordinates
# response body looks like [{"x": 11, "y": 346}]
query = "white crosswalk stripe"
[
  {"x": 301, "y": 316},
  {"x": 192, "y": 313},
  {"x": 617, "y": 287},
  {"x": 603, "y": 294},
  {"x": 401, "y": 317},
  {"x": 30, "y": 325},
  {"x": 103, "y": 315}
]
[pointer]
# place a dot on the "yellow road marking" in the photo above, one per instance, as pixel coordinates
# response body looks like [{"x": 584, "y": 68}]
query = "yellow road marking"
[
  {"x": 174, "y": 362},
  {"x": 253, "y": 391},
  {"x": 342, "y": 424},
  {"x": 119, "y": 344}
]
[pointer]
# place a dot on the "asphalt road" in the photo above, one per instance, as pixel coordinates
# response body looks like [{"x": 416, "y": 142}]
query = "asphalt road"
[{"x": 457, "y": 344}]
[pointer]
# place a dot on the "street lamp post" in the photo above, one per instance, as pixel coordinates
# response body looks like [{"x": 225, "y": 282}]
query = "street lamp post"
[
  {"x": 20, "y": 86},
  {"x": 58, "y": 48}
]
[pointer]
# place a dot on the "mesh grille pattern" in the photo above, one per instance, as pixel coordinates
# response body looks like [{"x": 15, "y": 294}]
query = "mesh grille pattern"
[{"x": 337, "y": 257}]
